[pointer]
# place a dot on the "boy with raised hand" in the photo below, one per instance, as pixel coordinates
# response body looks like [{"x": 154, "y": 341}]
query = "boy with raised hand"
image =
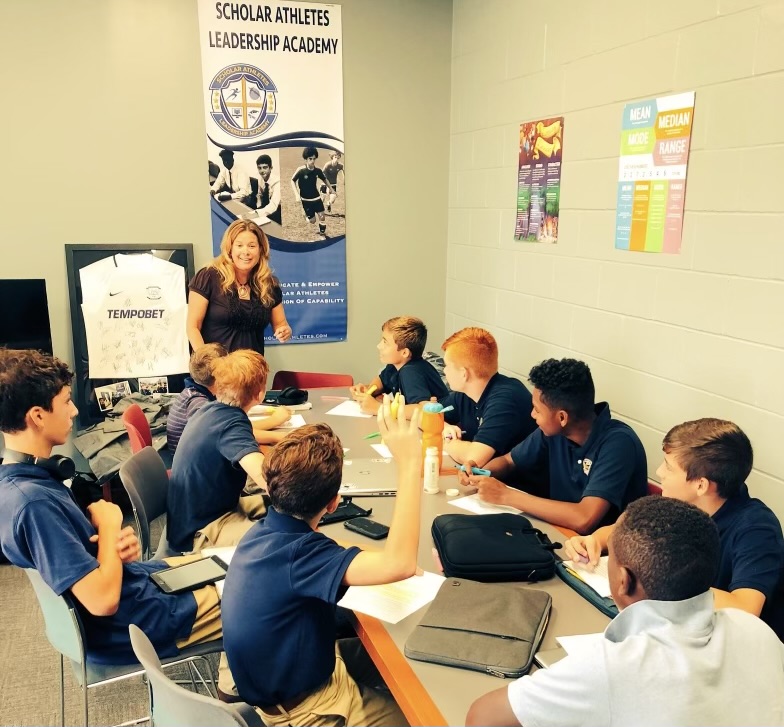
[
  {"x": 491, "y": 410},
  {"x": 406, "y": 373},
  {"x": 706, "y": 463},
  {"x": 286, "y": 579},
  {"x": 668, "y": 658},
  {"x": 595, "y": 465},
  {"x": 90, "y": 555}
]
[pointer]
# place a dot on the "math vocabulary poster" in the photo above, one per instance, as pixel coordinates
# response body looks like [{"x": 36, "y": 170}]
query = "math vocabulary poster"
[
  {"x": 539, "y": 180},
  {"x": 655, "y": 141},
  {"x": 273, "y": 103}
]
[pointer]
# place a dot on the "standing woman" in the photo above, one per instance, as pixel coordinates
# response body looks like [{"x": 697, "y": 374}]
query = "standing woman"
[{"x": 232, "y": 299}]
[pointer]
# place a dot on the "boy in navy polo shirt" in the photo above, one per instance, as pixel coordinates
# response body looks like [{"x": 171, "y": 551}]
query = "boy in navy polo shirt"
[
  {"x": 706, "y": 462},
  {"x": 286, "y": 578},
  {"x": 91, "y": 556},
  {"x": 595, "y": 465},
  {"x": 216, "y": 454},
  {"x": 491, "y": 410},
  {"x": 401, "y": 347}
]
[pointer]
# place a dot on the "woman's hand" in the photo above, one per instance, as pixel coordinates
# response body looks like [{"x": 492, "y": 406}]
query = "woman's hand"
[{"x": 283, "y": 332}]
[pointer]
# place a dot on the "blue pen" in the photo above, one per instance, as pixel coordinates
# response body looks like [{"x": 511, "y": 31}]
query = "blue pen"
[{"x": 475, "y": 470}]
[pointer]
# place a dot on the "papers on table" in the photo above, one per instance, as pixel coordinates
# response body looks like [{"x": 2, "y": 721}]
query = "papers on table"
[
  {"x": 266, "y": 410},
  {"x": 596, "y": 579},
  {"x": 474, "y": 504},
  {"x": 580, "y": 643},
  {"x": 392, "y": 602},
  {"x": 348, "y": 408},
  {"x": 296, "y": 421},
  {"x": 382, "y": 450}
]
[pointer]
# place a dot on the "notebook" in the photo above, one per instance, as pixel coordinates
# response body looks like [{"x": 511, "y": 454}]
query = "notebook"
[{"x": 364, "y": 477}]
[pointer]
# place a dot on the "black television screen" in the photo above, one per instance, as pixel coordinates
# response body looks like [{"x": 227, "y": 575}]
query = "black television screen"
[{"x": 24, "y": 315}]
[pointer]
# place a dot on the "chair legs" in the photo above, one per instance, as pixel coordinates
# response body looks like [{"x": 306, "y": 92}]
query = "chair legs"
[{"x": 62, "y": 692}]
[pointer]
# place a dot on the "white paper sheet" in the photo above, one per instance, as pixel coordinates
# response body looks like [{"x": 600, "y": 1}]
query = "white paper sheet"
[
  {"x": 392, "y": 602},
  {"x": 382, "y": 450},
  {"x": 597, "y": 578},
  {"x": 348, "y": 408},
  {"x": 296, "y": 421},
  {"x": 474, "y": 504},
  {"x": 580, "y": 643}
]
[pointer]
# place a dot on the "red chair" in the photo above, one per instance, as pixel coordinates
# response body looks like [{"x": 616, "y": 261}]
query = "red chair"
[
  {"x": 307, "y": 380},
  {"x": 138, "y": 428},
  {"x": 653, "y": 488}
]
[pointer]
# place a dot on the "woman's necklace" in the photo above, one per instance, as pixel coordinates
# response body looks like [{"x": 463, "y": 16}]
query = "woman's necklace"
[{"x": 243, "y": 290}]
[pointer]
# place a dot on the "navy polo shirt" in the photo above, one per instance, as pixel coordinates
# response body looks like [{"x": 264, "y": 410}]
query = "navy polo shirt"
[
  {"x": 752, "y": 552},
  {"x": 500, "y": 419},
  {"x": 206, "y": 479},
  {"x": 611, "y": 464},
  {"x": 278, "y": 609},
  {"x": 417, "y": 380},
  {"x": 42, "y": 528}
]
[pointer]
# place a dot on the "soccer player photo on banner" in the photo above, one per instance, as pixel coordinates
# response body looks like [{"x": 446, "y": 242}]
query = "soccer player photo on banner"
[{"x": 273, "y": 100}]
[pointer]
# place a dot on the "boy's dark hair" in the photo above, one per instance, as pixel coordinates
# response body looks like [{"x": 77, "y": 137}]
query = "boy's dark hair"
[
  {"x": 304, "y": 471},
  {"x": 202, "y": 360},
  {"x": 565, "y": 384},
  {"x": 264, "y": 159},
  {"x": 28, "y": 378},
  {"x": 672, "y": 547},
  {"x": 715, "y": 449},
  {"x": 309, "y": 151},
  {"x": 408, "y": 332}
]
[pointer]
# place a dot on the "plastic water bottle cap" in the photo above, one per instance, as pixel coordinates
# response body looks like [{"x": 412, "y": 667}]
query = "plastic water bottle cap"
[
  {"x": 431, "y": 452},
  {"x": 432, "y": 407}
]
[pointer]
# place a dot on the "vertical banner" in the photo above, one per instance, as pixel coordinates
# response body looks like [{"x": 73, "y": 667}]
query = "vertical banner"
[
  {"x": 652, "y": 169},
  {"x": 539, "y": 180},
  {"x": 273, "y": 101}
]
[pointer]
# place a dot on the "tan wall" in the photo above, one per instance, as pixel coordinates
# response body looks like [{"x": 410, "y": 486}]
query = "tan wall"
[
  {"x": 668, "y": 337},
  {"x": 104, "y": 142}
]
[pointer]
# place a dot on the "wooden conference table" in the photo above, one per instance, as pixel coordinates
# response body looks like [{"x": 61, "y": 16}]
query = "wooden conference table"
[{"x": 431, "y": 694}]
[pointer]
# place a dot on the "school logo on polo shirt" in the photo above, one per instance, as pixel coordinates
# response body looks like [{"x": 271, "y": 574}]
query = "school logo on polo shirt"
[
  {"x": 243, "y": 101},
  {"x": 587, "y": 466}
]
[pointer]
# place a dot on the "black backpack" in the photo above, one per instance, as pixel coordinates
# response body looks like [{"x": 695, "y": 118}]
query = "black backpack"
[{"x": 491, "y": 548}]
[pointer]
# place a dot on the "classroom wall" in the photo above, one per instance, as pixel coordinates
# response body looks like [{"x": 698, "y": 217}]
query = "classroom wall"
[
  {"x": 104, "y": 142},
  {"x": 668, "y": 337}
]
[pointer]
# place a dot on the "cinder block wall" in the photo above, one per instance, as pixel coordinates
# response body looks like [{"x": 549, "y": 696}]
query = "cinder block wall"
[{"x": 668, "y": 337}]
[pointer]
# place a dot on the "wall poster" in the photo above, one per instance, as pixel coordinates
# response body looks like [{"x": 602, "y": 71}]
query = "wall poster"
[
  {"x": 273, "y": 101},
  {"x": 655, "y": 141},
  {"x": 539, "y": 180}
]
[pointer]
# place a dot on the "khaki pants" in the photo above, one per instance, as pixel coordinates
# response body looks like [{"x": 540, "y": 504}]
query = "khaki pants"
[
  {"x": 342, "y": 701},
  {"x": 228, "y": 529}
]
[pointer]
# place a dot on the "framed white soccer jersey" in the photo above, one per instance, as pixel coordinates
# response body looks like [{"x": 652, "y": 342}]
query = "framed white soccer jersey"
[{"x": 134, "y": 309}]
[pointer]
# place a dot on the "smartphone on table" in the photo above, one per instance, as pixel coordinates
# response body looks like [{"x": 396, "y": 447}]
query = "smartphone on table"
[
  {"x": 190, "y": 576},
  {"x": 367, "y": 527}
]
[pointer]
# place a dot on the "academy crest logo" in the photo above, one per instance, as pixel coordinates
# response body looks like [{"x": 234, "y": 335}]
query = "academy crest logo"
[{"x": 243, "y": 101}]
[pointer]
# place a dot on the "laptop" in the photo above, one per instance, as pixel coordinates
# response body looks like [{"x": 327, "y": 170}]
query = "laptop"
[{"x": 369, "y": 477}]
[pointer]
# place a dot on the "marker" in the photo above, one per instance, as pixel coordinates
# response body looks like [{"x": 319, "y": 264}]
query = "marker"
[
  {"x": 372, "y": 436},
  {"x": 573, "y": 573},
  {"x": 370, "y": 390},
  {"x": 475, "y": 470}
]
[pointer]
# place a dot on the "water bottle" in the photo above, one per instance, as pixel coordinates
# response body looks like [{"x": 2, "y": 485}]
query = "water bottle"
[
  {"x": 432, "y": 425},
  {"x": 432, "y": 469}
]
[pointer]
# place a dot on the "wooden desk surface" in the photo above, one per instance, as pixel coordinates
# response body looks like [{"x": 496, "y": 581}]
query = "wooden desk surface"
[{"x": 431, "y": 694}]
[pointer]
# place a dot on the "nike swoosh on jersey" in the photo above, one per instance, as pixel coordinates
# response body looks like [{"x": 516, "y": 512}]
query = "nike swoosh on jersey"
[{"x": 117, "y": 293}]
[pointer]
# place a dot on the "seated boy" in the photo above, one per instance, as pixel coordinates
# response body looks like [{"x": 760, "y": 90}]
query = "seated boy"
[
  {"x": 706, "y": 463},
  {"x": 286, "y": 579},
  {"x": 215, "y": 456},
  {"x": 595, "y": 465},
  {"x": 91, "y": 556},
  {"x": 401, "y": 347},
  {"x": 491, "y": 411},
  {"x": 667, "y": 658}
]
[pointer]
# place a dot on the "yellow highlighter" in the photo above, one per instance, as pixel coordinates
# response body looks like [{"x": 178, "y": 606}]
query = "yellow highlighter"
[
  {"x": 393, "y": 407},
  {"x": 370, "y": 390}
]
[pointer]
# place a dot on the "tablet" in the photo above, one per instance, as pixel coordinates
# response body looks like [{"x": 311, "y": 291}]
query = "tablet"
[{"x": 190, "y": 576}]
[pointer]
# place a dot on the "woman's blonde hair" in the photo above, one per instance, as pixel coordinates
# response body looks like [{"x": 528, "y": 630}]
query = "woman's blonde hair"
[{"x": 260, "y": 278}]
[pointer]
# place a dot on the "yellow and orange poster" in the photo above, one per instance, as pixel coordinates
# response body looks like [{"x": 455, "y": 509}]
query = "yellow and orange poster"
[{"x": 652, "y": 169}]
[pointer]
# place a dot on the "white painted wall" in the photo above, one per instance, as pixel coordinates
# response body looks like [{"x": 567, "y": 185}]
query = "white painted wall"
[{"x": 668, "y": 337}]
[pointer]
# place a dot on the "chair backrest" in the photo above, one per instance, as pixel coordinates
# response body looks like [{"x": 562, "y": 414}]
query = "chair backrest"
[
  {"x": 138, "y": 428},
  {"x": 309, "y": 380},
  {"x": 653, "y": 488},
  {"x": 146, "y": 482},
  {"x": 63, "y": 628},
  {"x": 175, "y": 706}
]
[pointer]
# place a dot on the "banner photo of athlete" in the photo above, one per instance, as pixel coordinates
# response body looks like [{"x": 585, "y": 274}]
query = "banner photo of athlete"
[{"x": 273, "y": 99}]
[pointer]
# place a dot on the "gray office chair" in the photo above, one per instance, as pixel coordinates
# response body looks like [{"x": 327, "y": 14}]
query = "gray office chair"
[
  {"x": 65, "y": 633},
  {"x": 146, "y": 482},
  {"x": 174, "y": 706}
]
